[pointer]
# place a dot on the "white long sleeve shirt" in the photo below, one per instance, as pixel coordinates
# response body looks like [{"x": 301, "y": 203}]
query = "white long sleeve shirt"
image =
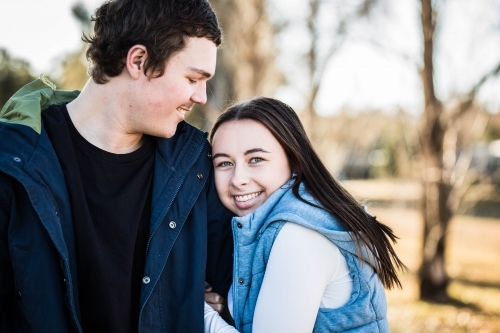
[{"x": 305, "y": 272}]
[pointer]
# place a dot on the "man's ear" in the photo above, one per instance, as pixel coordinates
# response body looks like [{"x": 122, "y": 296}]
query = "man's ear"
[{"x": 136, "y": 58}]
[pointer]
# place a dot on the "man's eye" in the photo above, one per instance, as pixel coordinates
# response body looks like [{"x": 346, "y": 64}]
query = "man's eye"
[{"x": 191, "y": 80}]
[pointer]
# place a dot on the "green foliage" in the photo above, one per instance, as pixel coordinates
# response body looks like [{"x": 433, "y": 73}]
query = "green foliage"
[
  {"x": 14, "y": 73},
  {"x": 82, "y": 15}
]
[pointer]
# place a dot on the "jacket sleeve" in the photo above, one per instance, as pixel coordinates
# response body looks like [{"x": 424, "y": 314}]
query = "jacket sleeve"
[
  {"x": 6, "y": 271},
  {"x": 219, "y": 270}
]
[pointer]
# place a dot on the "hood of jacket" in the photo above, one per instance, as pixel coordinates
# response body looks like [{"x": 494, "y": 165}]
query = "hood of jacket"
[{"x": 23, "y": 108}]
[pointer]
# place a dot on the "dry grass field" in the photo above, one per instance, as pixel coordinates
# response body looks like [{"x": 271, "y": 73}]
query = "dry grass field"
[{"x": 473, "y": 262}]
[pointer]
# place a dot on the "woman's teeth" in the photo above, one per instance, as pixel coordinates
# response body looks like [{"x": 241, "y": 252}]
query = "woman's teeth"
[{"x": 246, "y": 197}]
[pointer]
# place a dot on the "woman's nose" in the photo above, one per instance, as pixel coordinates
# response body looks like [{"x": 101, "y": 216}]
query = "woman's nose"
[{"x": 240, "y": 176}]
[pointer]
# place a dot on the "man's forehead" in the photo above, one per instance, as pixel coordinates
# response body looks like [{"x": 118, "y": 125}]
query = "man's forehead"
[{"x": 199, "y": 56}]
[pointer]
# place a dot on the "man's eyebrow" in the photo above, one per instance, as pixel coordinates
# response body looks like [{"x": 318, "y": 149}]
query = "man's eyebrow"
[
  {"x": 256, "y": 150},
  {"x": 201, "y": 72},
  {"x": 220, "y": 155}
]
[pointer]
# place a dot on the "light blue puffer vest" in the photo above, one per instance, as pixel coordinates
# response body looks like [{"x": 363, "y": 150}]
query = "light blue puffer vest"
[{"x": 254, "y": 235}]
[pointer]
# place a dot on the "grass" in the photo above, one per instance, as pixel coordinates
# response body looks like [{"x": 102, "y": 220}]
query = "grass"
[{"x": 472, "y": 261}]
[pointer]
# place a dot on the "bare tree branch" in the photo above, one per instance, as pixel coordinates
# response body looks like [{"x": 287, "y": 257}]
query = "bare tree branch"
[{"x": 494, "y": 72}]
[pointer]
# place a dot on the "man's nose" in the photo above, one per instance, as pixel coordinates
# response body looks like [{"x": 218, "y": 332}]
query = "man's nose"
[{"x": 200, "y": 93}]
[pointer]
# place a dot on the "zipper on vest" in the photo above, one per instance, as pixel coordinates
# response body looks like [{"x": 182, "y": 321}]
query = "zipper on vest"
[{"x": 236, "y": 310}]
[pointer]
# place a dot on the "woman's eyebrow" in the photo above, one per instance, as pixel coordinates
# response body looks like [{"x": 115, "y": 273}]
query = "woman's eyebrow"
[
  {"x": 250, "y": 151},
  {"x": 220, "y": 155},
  {"x": 256, "y": 150}
]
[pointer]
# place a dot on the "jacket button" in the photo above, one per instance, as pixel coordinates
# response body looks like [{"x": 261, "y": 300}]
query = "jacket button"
[
  {"x": 19, "y": 295},
  {"x": 209, "y": 155},
  {"x": 146, "y": 280},
  {"x": 199, "y": 175},
  {"x": 239, "y": 225},
  {"x": 241, "y": 281},
  {"x": 172, "y": 224},
  {"x": 17, "y": 159}
]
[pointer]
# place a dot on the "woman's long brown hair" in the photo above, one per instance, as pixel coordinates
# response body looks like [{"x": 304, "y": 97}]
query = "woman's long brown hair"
[{"x": 282, "y": 121}]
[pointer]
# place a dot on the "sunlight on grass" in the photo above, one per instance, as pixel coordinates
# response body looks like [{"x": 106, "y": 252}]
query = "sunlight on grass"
[{"x": 473, "y": 261}]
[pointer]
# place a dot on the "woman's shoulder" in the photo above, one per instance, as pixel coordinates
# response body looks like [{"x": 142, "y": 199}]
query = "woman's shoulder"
[
  {"x": 303, "y": 243},
  {"x": 305, "y": 236},
  {"x": 305, "y": 211}
]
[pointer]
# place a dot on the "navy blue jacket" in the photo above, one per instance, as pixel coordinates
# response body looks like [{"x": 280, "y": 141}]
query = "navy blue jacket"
[{"x": 38, "y": 273}]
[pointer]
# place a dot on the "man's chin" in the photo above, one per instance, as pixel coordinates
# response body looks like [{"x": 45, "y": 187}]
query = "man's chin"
[{"x": 169, "y": 134}]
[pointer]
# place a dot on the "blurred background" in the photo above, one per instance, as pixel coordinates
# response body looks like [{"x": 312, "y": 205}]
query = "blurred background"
[{"x": 400, "y": 98}]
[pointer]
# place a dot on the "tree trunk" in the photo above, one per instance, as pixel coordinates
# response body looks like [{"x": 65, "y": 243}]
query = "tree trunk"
[
  {"x": 433, "y": 277},
  {"x": 435, "y": 212},
  {"x": 309, "y": 115},
  {"x": 245, "y": 61}
]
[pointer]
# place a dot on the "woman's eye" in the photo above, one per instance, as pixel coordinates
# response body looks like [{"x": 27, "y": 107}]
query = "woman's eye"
[
  {"x": 191, "y": 80},
  {"x": 256, "y": 159},
  {"x": 223, "y": 164}
]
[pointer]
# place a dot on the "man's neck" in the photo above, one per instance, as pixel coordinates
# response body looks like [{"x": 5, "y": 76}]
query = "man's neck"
[{"x": 99, "y": 114}]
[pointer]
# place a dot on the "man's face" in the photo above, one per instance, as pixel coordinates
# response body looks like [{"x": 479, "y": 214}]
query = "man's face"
[{"x": 162, "y": 102}]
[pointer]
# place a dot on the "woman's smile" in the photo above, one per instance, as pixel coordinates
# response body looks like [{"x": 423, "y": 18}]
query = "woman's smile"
[
  {"x": 247, "y": 201},
  {"x": 246, "y": 197}
]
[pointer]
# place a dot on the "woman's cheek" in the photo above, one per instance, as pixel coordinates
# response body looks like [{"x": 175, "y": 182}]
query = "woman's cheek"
[{"x": 222, "y": 187}]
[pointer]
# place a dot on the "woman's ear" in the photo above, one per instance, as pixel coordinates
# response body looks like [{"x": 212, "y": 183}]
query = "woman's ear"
[{"x": 136, "y": 58}]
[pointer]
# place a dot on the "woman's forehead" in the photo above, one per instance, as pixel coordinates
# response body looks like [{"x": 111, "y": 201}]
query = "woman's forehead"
[{"x": 242, "y": 134}]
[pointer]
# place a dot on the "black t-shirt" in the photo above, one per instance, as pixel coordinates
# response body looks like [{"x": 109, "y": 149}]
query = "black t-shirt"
[{"x": 110, "y": 197}]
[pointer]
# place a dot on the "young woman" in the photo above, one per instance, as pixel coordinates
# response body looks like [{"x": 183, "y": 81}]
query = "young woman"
[{"x": 307, "y": 256}]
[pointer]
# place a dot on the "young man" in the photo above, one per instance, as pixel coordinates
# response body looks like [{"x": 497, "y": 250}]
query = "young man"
[{"x": 109, "y": 220}]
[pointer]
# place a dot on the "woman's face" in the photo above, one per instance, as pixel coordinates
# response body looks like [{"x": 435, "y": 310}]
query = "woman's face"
[{"x": 249, "y": 165}]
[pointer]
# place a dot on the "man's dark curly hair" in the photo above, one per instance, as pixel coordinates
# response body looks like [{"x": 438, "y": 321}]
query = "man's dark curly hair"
[{"x": 162, "y": 26}]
